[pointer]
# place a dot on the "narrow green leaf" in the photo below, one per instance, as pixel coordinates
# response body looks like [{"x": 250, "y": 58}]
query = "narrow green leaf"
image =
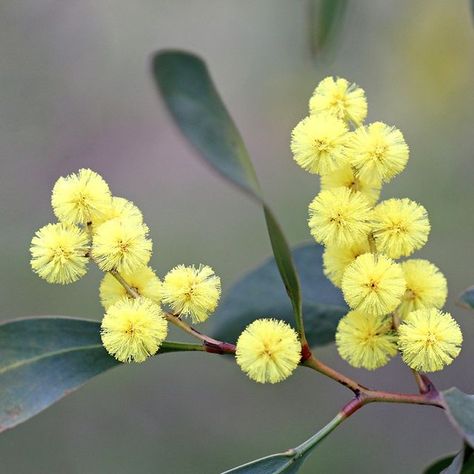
[
  {"x": 438, "y": 466},
  {"x": 189, "y": 93},
  {"x": 260, "y": 293},
  {"x": 281, "y": 463},
  {"x": 285, "y": 264},
  {"x": 459, "y": 463},
  {"x": 326, "y": 20},
  {"x": 45, "y": 359},
  {"x": 194, "y": 103},
  {"x": 460, "y": 411},
  {"x": 466, "y": 298},
  {"x": 290, "y": 461}
]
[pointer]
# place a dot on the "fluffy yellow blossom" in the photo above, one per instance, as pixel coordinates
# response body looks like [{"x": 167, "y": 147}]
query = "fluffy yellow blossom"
[
  {"x": 59, "y": 253},
  {"x": 123, "y": 209},
  {"x": 429, "y": 339},
  {"x": 133, "y": 330},
  {"x": 377, "y": 152},
  {"x": 268, "y": 351},
  {"x": 426, "y": 286},
  {"x": 366, "y": 341},
  {"x": 345, "y": 177},
  {"x": 191, "y": 291},
  {"x": 143, "y": 280},
  {"x": 337, "y": 259},
  {"x": 339, "y": 98},
  {"x": 339, "y": 217},
  {"x": 81, "y": 198},
  {"x": 121, "y": 245},
  {"x": 373, "y": 284},
  {"x": 318, "y": 143},
  {"x": 400, "y": 227}
]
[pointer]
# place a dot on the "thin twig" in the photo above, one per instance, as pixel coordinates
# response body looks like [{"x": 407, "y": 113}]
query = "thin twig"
[{"x": 210, "y": 344}]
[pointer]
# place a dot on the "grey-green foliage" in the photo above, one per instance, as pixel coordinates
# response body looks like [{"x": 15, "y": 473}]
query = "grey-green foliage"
[
  {"x": 44, "y": 359},
  {"x": 260, "y": 293},
  {"x": 460, "y": 410}
]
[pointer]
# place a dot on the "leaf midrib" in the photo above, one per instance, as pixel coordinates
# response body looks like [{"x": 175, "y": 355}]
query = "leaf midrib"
[{"x": 31, "y": 360}]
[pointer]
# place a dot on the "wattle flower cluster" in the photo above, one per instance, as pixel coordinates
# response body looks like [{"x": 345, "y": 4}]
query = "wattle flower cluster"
[
  {"x": 395, "y": 306},
  {"x": 108, "y": 230}
]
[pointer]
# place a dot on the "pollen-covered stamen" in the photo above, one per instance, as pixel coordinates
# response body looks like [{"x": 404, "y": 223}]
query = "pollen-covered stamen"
[
  {"x": 191, "y": 291},
  {"x": 366, "y": 341},
  {"x": 268, "y": 350},
  {"x": 429, "y": 339}
]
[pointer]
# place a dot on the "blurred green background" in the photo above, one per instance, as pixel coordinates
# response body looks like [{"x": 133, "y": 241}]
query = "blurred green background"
[{"x": 75, "y": 91}]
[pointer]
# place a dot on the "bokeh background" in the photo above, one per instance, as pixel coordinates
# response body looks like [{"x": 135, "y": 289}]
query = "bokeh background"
[{"x": 75, "y": 91}]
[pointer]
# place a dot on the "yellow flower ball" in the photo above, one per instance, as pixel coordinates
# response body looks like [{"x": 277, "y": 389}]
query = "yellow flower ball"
[
  {"x": 268, "y": 351},
  {"x": 143, "y": 280},
  {"x": 318, "y": 143},
  {"x": 400, "y": 226},
  {"x": 339, "y": 98},
  {"x": 426, "y": 287},
  {"x": 339, "y": 217},
  {"x": 191, "y": 291},
  {"x": 81, "y": 198},
  {"x": 133, "y": 330},
  {"x": 377, "y": 152},
  {"x": 366, "y": 341},
  {"x": 121, "y": 245},
  {"x": 59, "y": 253},
  {"x": 337, "y": 259},
  {"x": 429, "y": 340},
  {"x": 122, "y": 208},
  {"x": 345, "y": 177},
  {"x": 373, "y": 284}
]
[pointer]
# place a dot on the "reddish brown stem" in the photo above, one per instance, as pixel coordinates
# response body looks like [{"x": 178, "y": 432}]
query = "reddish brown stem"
[
  {"x": 210, "y": 344},
  {"x": 364, "y": 395},
  {"x": 324, "y": 369}
]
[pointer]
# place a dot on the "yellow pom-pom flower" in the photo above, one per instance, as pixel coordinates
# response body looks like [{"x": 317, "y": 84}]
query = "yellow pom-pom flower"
[
  {"x": 373, "y": 284},
  {"x": 268, "y": 351},
  {"x": 366, "y": 341},
  {"x": 429, "y": 339},
  {"x": 339, "y": 98},
  {"x": 133, "y": 330},
  {"x": 400, "y": 226},
  {"x": 377, "y": 152},
  {"x": 337, "y": 259},
  {"x": 59, "y": 253},
  {"x": 426, "y": 286},
  {"x": 345, "y": 177},
  {"x": 122, "y": 208},
  {"x": 121, "y": 245},
  {"x": 143, "y": 281},
  {"x": 318, "y": 143},
  {"x": 339, "y": 217},
  {"x": 191, "y": 291},
  {"x": 81, "y": 198}
]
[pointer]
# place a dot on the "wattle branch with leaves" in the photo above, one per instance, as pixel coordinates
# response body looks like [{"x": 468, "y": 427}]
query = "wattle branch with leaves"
[{"x": 43, "y": 359}]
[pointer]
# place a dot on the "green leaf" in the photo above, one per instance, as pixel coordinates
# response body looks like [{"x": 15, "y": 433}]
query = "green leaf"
[
  {"x": 279, "y": 463},
  {"x": 438, "y": 466},
  {"x": 290, "y": 461},
  {"x": 189, "y": 93},
  {"x": 260, "y": 293},
  {"x": 45, "y": 359},
  {"x": 466, "y": 298},
  {"x": 459, "y": 463},
  {"x": 326, "y": 20},
  {"x": 460, "y": 411},
  {"x": 194, "y": 103}
]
